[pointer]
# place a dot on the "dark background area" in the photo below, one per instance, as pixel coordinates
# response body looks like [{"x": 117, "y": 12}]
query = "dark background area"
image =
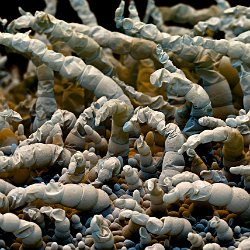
[{"x": 104, "y": 9}]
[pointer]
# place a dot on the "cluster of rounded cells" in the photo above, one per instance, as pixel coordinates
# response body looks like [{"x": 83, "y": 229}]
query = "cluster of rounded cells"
[{"x": 132, "y": 139}]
